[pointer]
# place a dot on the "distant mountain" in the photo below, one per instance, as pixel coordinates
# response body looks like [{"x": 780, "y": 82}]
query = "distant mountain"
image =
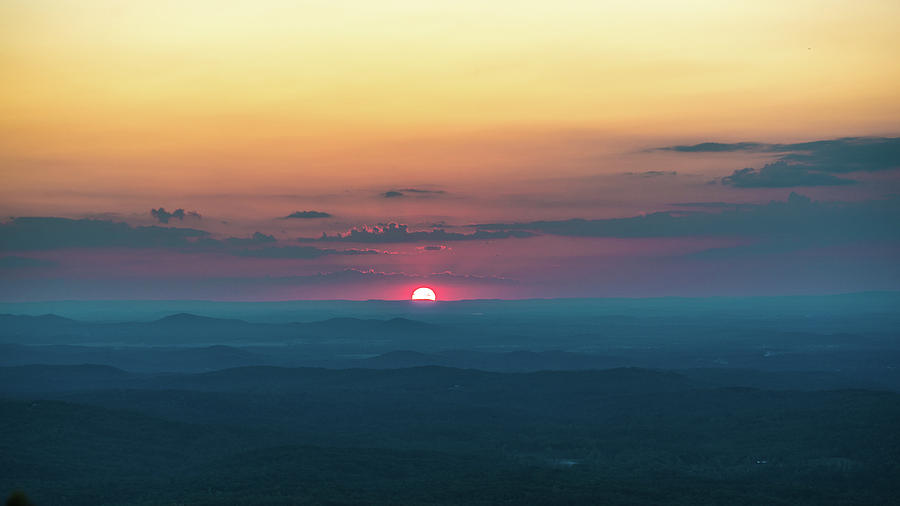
[
  {"x": 192, "y": 319},
  {"x": 13, "y": 326},
  {"x": 132, "y": 358},
  {"x": 355, "y": 326},
  {"x": 513, "y": 361},
  {"x": 191, "y": 329},
  {"x": 401, "y": 359},
  {"x": 863, "y": 305}
]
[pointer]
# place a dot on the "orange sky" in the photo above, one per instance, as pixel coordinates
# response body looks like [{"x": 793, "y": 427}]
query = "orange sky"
[{"x": 108, "y": 96}]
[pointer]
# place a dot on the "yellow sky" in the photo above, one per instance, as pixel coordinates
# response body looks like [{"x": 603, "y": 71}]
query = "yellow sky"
[{"x": 103, "y": 93}]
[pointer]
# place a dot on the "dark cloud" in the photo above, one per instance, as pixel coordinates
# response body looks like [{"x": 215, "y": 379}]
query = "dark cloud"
[
  {"x": 17, "y": 262},
  {"x": 868, "y": 154},
  {"x": 717, "y": 147},
  {"x": 848, "y": 154},
  {"x": 39, "y": 233},
  {"x": 652, "y": 173},
  {"x": 393, "y": 233},
  {"x": 450, "y": 276},
  {"x": 25, "y": 234},
  {"x": 807, "y": 163},
  {"x": 711, "y": 205},
  {"x": 433, "y": 248},
  {"x": 798, "y": 217},
  {"x": 260, "y": 245},
  {"x": 302, "y": 252},
  {"x": 256, "y": 239},
  {"x": 421, "y": 191},
  {"x": 782, "y": 175},
  {"x": 164, "y": 216},
  {"x": 307, "y": 215},
  {"x": 403, "y": 191}
]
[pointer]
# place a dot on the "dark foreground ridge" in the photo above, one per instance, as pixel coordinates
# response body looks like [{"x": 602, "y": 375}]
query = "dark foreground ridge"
[{"x": 437, "y": 435}]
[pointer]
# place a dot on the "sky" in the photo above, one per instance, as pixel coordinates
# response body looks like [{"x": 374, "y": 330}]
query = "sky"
[{"x": 273, "y": 150}]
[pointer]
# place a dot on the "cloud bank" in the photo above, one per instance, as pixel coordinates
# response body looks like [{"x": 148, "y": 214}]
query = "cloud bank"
[
  {"x": 652, "y": 173},
  {"x": 798, "y": 217},
  {"x": 38, "y": 233},
  {"x": 397, "y": 233},
  {"x": 813, "y": 163},
  {"x": 305, "y": 252},
  {"x": 782, "y": 175},
  {"x": 307, "y": 215}
]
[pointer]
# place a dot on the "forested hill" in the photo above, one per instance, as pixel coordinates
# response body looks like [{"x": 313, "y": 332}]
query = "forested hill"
[{"x": 267, "y": 435}]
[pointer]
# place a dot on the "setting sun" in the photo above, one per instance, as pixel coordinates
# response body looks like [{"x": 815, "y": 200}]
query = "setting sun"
[{"x": 423, "y": 293}]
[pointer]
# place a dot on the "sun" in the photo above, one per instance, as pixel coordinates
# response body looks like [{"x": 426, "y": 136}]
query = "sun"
[{"x": 423, "y": 293}]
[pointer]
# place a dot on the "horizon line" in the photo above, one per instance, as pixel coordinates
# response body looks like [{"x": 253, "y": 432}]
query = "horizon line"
[{"x": 523, "y": 299}]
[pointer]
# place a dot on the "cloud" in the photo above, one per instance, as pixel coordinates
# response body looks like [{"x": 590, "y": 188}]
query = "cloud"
[
  {"x": 652, "y": 173},
  {"x": 711, "y": 205},
  {"x": 17, "y": 262},
  {"x": 807, "y": 163},
  {"x": 798, "y": 217},
  {"x": 27, "y": 234},
  {"x": 38, "y": 233},
  {"x": 782, "y": 175},
  {"x": 394, "y": 233},
  {"x": 421, "y": 191},
  {"x": 301, "y": 252},
  {"x": 868, "y": 154},
  {"x": 256, "y": 239},
  {"x": 403, "y": 191},
  {"x": 450, "y": 276},
  {"x": 164, "y": 216},
  {"x": 717, "y": 147},
  {"x": 432, "y": 248},
  {"x": 307, "y": 215},
  {"x": 260, "y": 245}
]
